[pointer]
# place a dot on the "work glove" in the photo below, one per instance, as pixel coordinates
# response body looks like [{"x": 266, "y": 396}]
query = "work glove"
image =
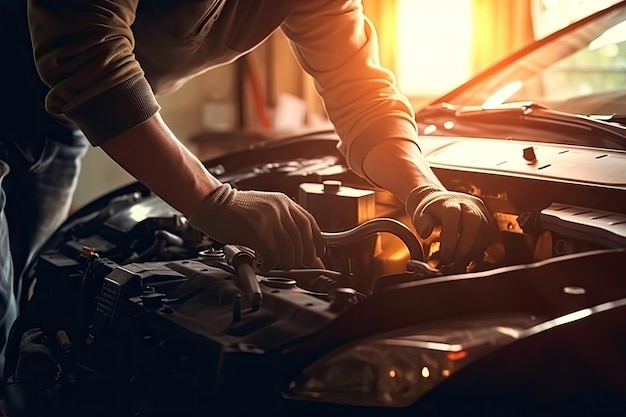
[
  {"x": 467, "y": 228},
  {"x": 283, "y": 234}
]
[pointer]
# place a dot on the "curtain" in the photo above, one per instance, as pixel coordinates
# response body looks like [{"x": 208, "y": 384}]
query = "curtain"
[{"x": 499, "y": 28}]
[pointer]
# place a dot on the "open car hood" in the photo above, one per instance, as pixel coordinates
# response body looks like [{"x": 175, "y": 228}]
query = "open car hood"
[{"x": 565, "y": 88}]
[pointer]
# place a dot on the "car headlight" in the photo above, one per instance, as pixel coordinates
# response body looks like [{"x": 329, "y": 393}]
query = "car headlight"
[{"x": 395, "y": 370}]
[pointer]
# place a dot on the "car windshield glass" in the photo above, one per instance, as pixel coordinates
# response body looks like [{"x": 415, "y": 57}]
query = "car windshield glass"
[{"x": 581, "y": 71}]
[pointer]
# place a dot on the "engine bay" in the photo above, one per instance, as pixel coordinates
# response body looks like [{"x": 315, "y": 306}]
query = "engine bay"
[{"x": 145, "y": 313}]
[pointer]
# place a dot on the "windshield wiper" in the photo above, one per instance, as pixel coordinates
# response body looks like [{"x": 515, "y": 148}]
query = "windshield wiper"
[
  {"x": 531, "y": 109},
  {"x": 611, "y": 118},
  {"x": 610, "y": 126}
]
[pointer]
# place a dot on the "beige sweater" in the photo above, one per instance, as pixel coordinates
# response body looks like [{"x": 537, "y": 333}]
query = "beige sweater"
[{"x": 105, "y": 60}]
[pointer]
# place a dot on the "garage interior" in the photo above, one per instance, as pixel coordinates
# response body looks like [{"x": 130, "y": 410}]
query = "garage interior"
[{"x": 147, "y": 312}]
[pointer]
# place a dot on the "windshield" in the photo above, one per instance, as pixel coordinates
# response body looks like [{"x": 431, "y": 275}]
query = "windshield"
[{"x": 581, "y": 71}]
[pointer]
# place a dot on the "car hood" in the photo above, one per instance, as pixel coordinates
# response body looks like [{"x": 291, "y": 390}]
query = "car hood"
[{"x": 549, "y": 91}]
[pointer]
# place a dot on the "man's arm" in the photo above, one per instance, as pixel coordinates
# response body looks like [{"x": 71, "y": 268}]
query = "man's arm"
[
  {"x": 466, "y": 225},
  {"x": 337, "y": 45},
  {"x": 84, "y": 52},
  {"x": 284, "y": 234},
  {"x": 153, "y": 155}
]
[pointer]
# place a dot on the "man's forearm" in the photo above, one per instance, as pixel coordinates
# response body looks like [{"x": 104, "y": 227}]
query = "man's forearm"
[
  {"x": 399, "y": 167},
  {"x": 151, "y": 153}
]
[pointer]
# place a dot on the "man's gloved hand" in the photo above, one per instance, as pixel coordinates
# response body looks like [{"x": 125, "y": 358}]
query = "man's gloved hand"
[
  {"x": 467, "y": 228},
  {"x": 282, "y": 233}
]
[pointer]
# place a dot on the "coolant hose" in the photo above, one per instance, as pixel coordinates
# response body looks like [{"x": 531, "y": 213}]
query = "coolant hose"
[{"x": 372, "y": 227}]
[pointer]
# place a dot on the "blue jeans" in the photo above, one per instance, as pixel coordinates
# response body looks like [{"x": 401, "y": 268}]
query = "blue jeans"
[{"x": 35, "y": 198}]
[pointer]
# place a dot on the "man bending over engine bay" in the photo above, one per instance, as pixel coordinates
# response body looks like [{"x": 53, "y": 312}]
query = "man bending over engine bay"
[{"x": 104, "y": 61}]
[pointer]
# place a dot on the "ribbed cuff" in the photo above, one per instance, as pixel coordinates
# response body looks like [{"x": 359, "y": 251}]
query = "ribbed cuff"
[
  {"x": 116, "y": 110},
  {"x": 399, "y": 129},
  {"x": 419, "y": 195},
  {"x": 220, "y": 195}
]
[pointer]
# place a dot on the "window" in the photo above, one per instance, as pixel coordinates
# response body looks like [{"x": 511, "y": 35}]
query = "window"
[
  {"x": 551, "y": 15},
  {"x": 598, "y": 68},
  {"x": 434, "y": 45}
]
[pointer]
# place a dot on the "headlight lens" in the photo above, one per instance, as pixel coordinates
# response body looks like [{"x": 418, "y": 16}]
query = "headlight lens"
[{"x": 395, "y": 370}]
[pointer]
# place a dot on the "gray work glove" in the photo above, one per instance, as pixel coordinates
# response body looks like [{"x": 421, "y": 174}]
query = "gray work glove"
[
  {"x": 283, "y": 234},
  {"x": 467, "y": 228}
]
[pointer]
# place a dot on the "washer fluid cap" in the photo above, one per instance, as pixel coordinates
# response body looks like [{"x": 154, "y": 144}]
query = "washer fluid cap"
[{"x": 331, "y": 186}]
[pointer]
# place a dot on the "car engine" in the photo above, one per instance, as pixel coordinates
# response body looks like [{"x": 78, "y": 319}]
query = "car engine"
[{"x": 131, "y": 311}]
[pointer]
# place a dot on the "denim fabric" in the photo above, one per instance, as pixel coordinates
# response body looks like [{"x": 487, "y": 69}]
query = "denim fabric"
[
  {"x": 8, "y": 307},
  {"x": 36, "y": 193}
]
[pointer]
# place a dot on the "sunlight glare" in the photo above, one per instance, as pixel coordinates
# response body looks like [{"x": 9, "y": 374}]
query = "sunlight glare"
[
  {"x": 617, "y": 34},
  {"x": 139, "y": 212},
  {"x": 434, "y": 45},
  {"x": 502, "y": 95}
]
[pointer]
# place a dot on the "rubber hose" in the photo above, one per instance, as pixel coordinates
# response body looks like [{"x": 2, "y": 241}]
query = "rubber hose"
[{"x": 372, "y": 227}]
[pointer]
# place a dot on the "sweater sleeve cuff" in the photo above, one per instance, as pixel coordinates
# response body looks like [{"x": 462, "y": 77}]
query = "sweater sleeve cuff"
[
  {"x": 373, "y": 136},
  {"x": 116, "y": 110}
]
